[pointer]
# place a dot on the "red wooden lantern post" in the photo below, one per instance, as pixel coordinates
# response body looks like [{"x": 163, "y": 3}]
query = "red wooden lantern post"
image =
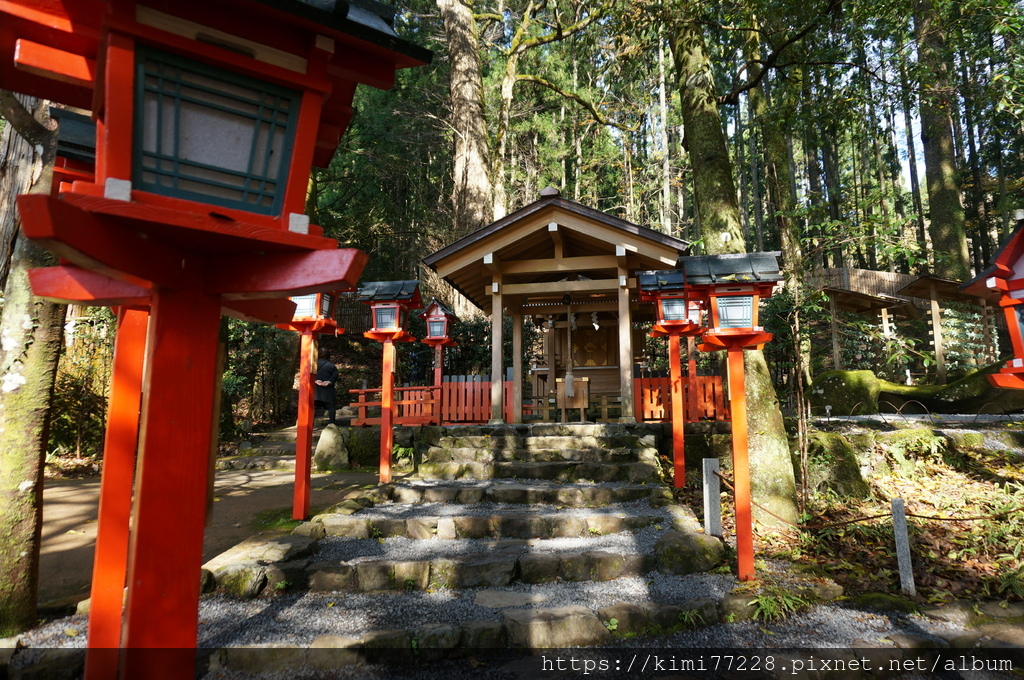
[
  {"x": 439, "y": 320},
  {"x": 678, "y": 316},
  {"x": 390, "y": 302},
  {"x": 733, "y": 285},
  {"x": 314, "y": 315},
  {"x": 209, "y": 118}
]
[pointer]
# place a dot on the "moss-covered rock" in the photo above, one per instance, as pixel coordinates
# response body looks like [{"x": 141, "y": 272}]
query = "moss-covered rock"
[
  {"x": 688, "y": 553},
  {"x": 847, "y": 393},
  {"x": 883, "y": 602},
  {"x": 833, "y": 465}
]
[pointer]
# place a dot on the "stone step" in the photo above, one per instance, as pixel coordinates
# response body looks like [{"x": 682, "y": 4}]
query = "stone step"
[
  {"x": 500, "y": 563},
  {"x": 552, "y": 441},
  {"x": 566, "y": 471},
  {"x": 468, "y": 492},
  {"x": 261, "y": 462},
  {"x": 537, "y": 454},
  {"x": 496, "y": 526}
]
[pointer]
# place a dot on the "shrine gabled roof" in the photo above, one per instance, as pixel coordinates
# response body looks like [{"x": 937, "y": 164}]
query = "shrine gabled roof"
[
  {"x": 945, "y": 289},
  {"x": 550, "y": 247}
]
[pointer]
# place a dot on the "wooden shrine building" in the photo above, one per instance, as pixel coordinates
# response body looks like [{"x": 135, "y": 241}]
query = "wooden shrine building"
[{"x": 573, "y": 270}]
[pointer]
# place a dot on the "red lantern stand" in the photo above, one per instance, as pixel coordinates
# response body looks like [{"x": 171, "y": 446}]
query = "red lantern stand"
[
  {"x": 439, "y": 320},
  {"x": 155, "y": 225},
  {"x": 730, "y": 288},
  {"x": 390, "y": 302},
  {"x": 313, "y": 317},
  {"x": 734, "y": 341},
  {"x": 678, "y": 316}
]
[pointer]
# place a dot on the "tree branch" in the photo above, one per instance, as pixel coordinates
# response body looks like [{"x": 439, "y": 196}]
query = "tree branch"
[
  {"x": 772, "y": 59},
  {"x": 589, "y": 106},
  {"x": 21, "y": 119}
]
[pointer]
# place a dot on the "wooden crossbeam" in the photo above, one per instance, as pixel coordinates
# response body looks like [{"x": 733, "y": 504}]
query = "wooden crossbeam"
[{"x": 50, "y": 62}]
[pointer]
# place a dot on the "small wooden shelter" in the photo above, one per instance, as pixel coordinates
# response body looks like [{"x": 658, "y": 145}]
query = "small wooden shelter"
[{"x": 573, "y": 269}]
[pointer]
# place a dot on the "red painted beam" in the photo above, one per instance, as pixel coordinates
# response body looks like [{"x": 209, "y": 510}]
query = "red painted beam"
[
  {"x": 274, "y": 310},
  {"x": 102, "y": 245},
  {"x": 49, "y": 62},
  {"x": 278, "y": 274},
  {"x": 69, "y": 284}
]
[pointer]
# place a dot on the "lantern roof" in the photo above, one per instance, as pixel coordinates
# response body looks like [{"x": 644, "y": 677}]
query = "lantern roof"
[
  {"x": 664, "y": 281},
  {"x": 76, "y": 135},
  {"x": 391, "y": 291},
  {"x": 435, "y": 308},
  {"x": 51, "y": 48},
  {"x": 704, "y": 270}
]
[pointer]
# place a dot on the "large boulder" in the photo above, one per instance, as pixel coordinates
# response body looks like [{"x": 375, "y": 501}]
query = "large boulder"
[{"x": 331, "y": 450}]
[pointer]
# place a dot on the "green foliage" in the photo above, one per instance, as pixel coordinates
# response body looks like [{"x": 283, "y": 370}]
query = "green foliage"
[
  {"x": 776, "y": 602},
  {"x": 78, "y": 419}
]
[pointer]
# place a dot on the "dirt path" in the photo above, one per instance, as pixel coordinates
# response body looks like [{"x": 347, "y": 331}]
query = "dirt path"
[{"x": 240, "y": 497}]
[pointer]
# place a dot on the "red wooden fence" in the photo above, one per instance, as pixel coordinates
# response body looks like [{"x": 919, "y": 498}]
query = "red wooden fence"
[{"x": 468, "y": 401}]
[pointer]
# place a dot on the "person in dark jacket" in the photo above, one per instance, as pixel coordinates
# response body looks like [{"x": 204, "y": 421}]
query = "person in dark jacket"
[{"x": 326, "y": 376}]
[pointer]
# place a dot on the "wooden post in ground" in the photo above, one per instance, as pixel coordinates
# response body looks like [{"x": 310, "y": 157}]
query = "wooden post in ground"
[
  {"x": 112, "y": 525},
  {"x": 304, "y": 425},
  {"x": 171, "y": 490},
  {"x": 712, "y": 498},
  {"x": 741, "y": 465},
  {"x": 899, "y": 529},
  {"x": 387, "y": 392}
]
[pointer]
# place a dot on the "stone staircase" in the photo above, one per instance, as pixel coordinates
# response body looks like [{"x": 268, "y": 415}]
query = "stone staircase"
[{"x": 498, "y": 510}]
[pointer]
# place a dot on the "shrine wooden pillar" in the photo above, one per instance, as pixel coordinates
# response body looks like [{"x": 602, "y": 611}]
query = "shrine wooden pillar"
[
  {"x": 112, "y": 524},
  {"x": 171, "y": 491},
  {"x": 517, "y": 367},
  {"x": 628, "y": 413},
  {"x": 936, "y": 331},
  {"x": 497, "y": 361}
]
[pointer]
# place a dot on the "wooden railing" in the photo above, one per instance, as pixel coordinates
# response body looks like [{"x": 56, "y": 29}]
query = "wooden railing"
[
  {"x": 704, "y": 394},
  {"x": 467, "y": 400}
]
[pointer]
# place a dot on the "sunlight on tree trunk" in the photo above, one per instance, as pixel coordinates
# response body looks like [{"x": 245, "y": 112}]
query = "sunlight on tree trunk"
[
  {"x": 30, "y": 343},
  {"x": 773, "y": 484}
]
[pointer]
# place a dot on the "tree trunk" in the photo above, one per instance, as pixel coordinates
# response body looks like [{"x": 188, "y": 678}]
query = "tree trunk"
[
  {"x": 945, "y": 200},
  {"x": 772, "y": 480},
  {"x": 471, "y": 194},
  {"x": 713, "y": 186},
  {"x": 31, "y": 331}
]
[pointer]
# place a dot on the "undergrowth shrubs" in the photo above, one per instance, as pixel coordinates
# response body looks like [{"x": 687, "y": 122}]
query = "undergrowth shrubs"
[{"x": 965, "y": 516}]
